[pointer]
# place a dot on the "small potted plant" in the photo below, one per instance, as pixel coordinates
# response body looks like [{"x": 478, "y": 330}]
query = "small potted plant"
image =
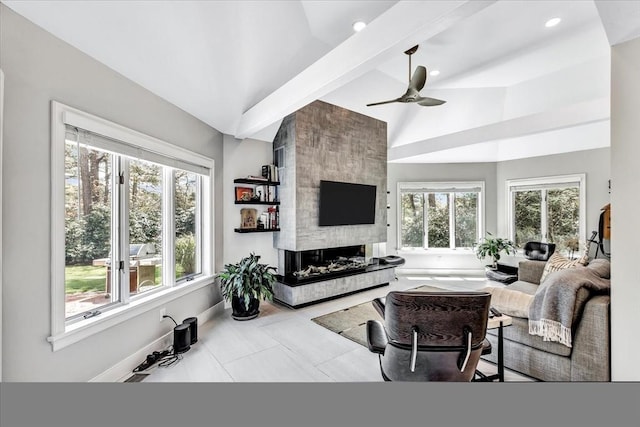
[
  {"x": 244, "y": 284},
  {"x": 493, "y": 246}
]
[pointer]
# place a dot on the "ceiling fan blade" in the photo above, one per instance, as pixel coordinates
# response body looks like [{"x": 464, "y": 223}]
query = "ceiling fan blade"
[
  {"x": 383, "y": 102},
  {"x": 429, "y": 102},
  {"x": 419, "y": 78}
]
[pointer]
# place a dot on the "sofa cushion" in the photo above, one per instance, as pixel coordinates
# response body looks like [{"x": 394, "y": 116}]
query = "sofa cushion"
[
  {"x": 509, "y": 301},
  {"x": 530, "y": 270},
  {"x": 526, "y": 287},
  {"x": 601, "y": 267},
  {"x": 557, "y": 262},
  {"x": 519, "y": 332}
]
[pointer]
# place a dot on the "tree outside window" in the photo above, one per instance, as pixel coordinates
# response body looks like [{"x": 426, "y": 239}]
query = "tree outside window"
[
  {"x": 548, "y": 210},
  {"x": 439, "y": 219},
  {"x": 89, "y": 190}
]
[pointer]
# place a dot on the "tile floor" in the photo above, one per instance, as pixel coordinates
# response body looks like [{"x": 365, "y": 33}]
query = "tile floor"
[{"x": 284, "y": 345}]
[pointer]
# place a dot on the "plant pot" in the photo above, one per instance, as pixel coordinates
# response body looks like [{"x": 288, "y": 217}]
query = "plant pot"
[{"x": 240, "y": 312}]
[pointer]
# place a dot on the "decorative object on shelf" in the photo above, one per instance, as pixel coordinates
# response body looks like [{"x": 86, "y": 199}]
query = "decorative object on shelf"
[
  {"x": 244, "y": 284},
  {"x": 244, "y": 194},
  {"x": 248, "y": 218},
  {"x": 493, "y": 247},
  {"x": 270, "y": 172}
]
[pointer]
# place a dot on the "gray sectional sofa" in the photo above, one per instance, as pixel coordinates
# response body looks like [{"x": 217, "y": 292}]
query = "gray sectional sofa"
[{"x": 587, "y": 360}]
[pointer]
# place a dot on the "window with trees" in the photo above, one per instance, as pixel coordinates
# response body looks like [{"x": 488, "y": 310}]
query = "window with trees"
[
  {"x": 136, "y": 216},
  {"x": 440, "y": 215},
  {"x": 550, "y": 209}
]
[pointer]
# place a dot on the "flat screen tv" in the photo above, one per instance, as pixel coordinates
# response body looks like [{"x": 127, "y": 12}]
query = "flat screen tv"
[{"x": 344, "y": 203}]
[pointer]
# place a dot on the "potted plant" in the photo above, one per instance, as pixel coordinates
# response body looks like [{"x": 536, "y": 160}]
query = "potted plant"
[
  {"x": 493, "y": 246},
  {"x": 244, "y": 284}
]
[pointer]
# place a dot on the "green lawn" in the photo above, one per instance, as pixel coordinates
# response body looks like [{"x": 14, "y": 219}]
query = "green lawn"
[
  {"x": 89, "y": 278},
  {"x": 84, "y": 278}
]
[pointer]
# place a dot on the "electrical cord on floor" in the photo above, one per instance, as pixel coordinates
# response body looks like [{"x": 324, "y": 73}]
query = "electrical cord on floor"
[
  {"x": 170, "y": 360},
  {"x": 162, "y": 358}
]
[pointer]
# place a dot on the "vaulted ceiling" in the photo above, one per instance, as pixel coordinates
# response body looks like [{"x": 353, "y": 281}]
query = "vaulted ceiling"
[{"x": 514, "y": 88}]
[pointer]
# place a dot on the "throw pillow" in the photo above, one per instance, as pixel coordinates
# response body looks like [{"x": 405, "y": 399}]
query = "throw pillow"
[
  {"x": 557, "y": 262},
  {"x": 601, "y": 267},
  {"x": 510, "y": 302}
]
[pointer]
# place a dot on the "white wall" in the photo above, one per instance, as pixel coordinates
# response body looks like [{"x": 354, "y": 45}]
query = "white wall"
[
  {"x": 625, "y": 205},
  {"x": 243, "y": 158},
  {"x": 1, "y": 132},
  {"x": 39, "y": 68},
  {"x": 403, "y": 172}
]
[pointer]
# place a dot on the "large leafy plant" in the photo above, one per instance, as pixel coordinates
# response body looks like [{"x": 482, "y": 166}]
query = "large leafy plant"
[
  {"x": 493, "y": 247},
  {"x": 247, "y": 279}
]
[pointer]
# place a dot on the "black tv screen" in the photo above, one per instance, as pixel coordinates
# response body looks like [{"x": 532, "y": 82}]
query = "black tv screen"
[{"x": 344, "y": 203}]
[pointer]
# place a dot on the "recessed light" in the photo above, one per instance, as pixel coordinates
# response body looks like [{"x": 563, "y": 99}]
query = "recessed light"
[
  {"x": 552, "y": 22},
  {"x": 358, "y": 26},
  {"x": 434, "y": 72}
]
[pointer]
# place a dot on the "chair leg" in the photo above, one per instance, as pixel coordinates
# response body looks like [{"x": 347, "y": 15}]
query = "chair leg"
[{"x": 479, "y": 376}]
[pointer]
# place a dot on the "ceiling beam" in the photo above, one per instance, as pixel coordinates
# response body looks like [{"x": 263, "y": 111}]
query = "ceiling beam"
[
  {"x": 620, "y": 19},
  {"x": 405, "y": 24},
  {"x": 559, "y": 118}
]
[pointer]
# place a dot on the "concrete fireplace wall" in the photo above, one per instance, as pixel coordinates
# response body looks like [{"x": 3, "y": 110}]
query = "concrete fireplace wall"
[{"x": 325, "y": 142}]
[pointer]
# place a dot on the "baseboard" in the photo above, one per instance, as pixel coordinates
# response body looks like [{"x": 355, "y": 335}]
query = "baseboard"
[{"x": 124, "y": 369}]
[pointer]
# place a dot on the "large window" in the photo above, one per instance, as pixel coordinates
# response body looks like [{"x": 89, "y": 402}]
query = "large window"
[
  {"x": 440, "y": 215},
  {"x": 135, "y": 215},
  {"x": 550, "y": 209}
]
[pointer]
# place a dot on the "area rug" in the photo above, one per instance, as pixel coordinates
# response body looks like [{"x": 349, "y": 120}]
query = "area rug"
[{"x": 351, "y": 322}]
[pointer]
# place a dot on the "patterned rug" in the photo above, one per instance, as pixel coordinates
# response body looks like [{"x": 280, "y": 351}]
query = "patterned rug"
[{"x": 351, "y": 322}]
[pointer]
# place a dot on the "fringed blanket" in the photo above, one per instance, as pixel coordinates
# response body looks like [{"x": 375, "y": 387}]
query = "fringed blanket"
[{"x": 552, "y": 310}]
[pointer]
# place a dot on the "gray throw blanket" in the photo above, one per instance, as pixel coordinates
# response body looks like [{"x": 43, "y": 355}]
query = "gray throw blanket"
[{"x": 555, "y": 302}]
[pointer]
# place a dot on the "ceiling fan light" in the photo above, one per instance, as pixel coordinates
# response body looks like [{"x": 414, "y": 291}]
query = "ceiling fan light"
[
  {"x": 552, "y": 22},
  {"x": 359, "y": 26}
]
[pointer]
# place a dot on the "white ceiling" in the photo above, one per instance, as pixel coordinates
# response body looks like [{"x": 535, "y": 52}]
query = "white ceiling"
[{"x": 513, "y": 87}]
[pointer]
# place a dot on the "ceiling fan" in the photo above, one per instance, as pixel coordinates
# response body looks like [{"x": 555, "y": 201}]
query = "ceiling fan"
[{"x": 416, "y": 83}]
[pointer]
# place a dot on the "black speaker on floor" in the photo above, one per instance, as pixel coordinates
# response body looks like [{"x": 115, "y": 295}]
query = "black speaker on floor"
[
  {"x": 181, "y": 338},
  {"x": 193, "y": 328}
]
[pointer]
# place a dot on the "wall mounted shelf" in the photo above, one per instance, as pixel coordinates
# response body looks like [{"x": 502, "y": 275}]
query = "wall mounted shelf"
[
  {"x": 254, "y": 181},
  {"x": 255, "y": 230},
  {"x": 269, "y": 192},
  {"x": 255, "y": 202}
]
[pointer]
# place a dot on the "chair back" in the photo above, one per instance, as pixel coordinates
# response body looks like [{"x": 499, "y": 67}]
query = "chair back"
[
  {"x": 539, "y": 251},
  {"x": 434, "y": 336},
  {"x": 440, "y": 317}
]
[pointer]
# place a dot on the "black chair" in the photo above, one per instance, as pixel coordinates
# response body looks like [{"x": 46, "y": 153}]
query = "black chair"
[
  {"x": 430, "y": 336},
  {"x": 539, "y": 251}
]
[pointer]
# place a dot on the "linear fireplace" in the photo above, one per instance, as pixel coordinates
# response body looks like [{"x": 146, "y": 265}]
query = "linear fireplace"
[{"x": 322, "y": 264}]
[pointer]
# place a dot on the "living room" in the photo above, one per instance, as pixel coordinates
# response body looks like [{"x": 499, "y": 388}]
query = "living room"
[{"x": 39, "y": 68}]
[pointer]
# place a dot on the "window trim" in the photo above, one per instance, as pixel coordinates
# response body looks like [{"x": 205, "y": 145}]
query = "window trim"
[
  {"x": 62, "y": 332},
  {"x": 551, "y": 182},
  {"x": 426, "y": 186}
]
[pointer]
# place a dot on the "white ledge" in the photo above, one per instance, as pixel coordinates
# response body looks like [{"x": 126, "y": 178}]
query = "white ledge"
[{"x": 88, "y": 327}]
